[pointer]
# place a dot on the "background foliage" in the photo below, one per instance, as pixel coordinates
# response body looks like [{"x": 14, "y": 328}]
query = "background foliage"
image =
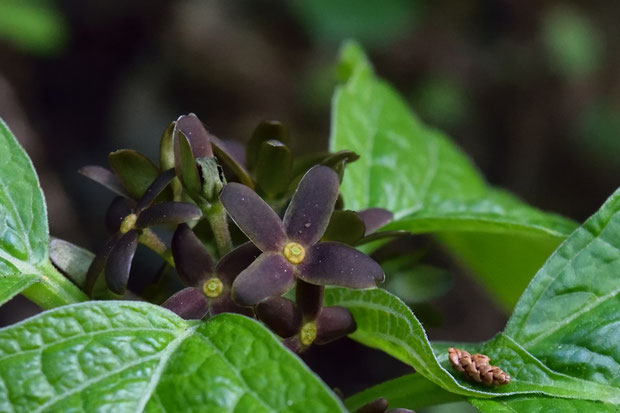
[{"x": 530, "y": 93}]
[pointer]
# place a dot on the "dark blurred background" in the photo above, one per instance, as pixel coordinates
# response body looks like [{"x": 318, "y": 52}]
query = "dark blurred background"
[{"x": 530, "y": 90}]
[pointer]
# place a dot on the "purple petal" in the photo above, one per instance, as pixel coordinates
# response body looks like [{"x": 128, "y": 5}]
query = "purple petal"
[
  {"x": 159, "y": 184},
  {"x": 189, "y": 304},
  {"x": 312, "y": 205},
  {"x": 254, "y": 217},
  {"x": 309, "y": 299},
  {"x": 280, "y": 315},
  {"x": 119, "y": 262},
  {"x": 237, "y": 260},
  {"x": 333, "y": 323},
  {"x": 117, "y": 211},
  {"x": 375, "y": 218},
  {"x": 193, "y": 262},
  {"x": 106, "y": 178},
  {"x": 270, "y": 275},
  {"x": 293, "y": 344},
  {"x": 225, "y": 304},
  {"x": 168, "y": 213},
  {"x": 98, "y": 263},
  {"x": 332, "y": 263},
  {"x": 196, "y": 134}
]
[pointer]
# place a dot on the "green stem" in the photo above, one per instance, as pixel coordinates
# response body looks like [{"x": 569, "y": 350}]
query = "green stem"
[
  {"x": 53, "y": 289},
  {"x": 151, "y": 240},
  {"x": 216, "y": 215}
]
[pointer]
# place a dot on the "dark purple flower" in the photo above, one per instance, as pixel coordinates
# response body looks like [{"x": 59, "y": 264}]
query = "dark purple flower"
[
  {"x": 290, "y": 246},
  {"x": 127, "y": 221},
  {"x": 208, "y": 284},
  {"x": 305, "y": 322}
]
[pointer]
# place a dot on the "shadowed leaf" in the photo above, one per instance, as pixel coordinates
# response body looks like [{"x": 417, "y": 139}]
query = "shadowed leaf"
[{"x": 135, "y": 170}]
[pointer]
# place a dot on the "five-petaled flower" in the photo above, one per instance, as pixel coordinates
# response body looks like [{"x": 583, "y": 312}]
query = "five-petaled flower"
[
  {"x": 127, "y": 221},
  {"x": 290, "y": 247},
  {"x": 306, "y": 321},
  {"x": 208, "y": 284}
]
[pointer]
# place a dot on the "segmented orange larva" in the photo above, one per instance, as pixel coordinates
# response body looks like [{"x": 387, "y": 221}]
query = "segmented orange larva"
[{"x": 477, "y": 368}]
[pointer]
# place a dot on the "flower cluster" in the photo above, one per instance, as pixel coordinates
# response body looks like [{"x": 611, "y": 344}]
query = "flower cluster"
[{"x": 310, "y": 247}]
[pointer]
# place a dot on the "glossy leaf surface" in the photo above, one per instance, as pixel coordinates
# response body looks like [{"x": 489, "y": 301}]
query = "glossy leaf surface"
[
  {"x": 24, "y": 234},
  {"x": 134, "y": 357},
  {"x": 386, "y": 323},
  {"x": 426, "y": 181}
]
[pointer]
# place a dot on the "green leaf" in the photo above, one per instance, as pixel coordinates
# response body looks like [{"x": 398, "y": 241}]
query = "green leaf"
[
  {"x": 24, "y": 263},
  {"x": 72, "y": 260},
  {"x": 569, "y": 316},
  {"x": 426, "y": 181},
  {"x": 386, "y": 323},
  {"x": 136, "y": 171},
  {"x": 534, "y": 403},
  {"x": 273, "y": 167},
  {"x": 412, "y": 391},
  {"x": 133, "y": 357},
  {"x": 13, "y": 284},
  {"x": 377, "y": 22},
  {"x": 37, "y": 27},
  {"x": 413, "y": 282}
]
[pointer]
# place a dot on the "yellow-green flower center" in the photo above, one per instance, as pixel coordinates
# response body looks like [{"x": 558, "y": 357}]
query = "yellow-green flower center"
[
  {"x": 294, "y": 252},
  {"x": 213, "y": 287},
  {"x": 129, "y": 223},
  {"x": 308, "y": 333}
]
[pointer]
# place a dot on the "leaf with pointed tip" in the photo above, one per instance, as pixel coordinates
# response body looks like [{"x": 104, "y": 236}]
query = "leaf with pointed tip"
[
  {"x": 569, "y": 315},
  {"x": 533, "y": 403},
  {"x": 135, "y": 170},
  {"x": 428, "y": 183},
  {"x": 386, "y": 323},
  {"x": 135, "y": 357},
  {"x": 24, "y": 238},
  {"x": 72, "y": 260}
]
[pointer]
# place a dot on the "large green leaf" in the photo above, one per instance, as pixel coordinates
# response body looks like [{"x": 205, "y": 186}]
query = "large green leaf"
[
  {"x": 533, "y": 403},
  {"x": 24, "y": 238},
  {"x": 386, "y": 323},
  {"x": 569, "y": 316},
  {"x": 132, "y": 357},
  {"x": 429, "y": 184}
]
